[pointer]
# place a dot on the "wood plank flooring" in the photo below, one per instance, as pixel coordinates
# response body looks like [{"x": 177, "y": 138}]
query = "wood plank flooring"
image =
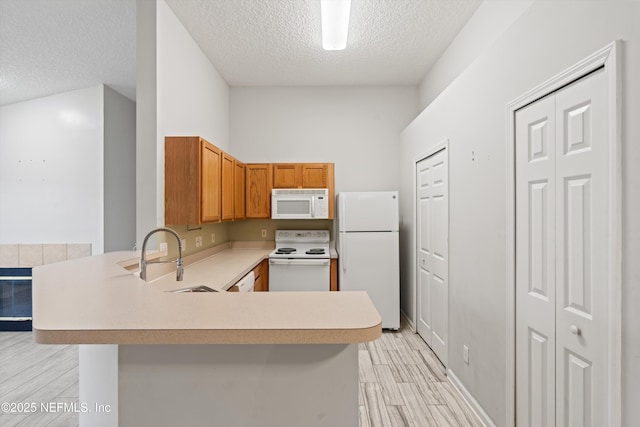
[
  {"x": 30, "y": 372},
  {"x": 402, "y": 383}
]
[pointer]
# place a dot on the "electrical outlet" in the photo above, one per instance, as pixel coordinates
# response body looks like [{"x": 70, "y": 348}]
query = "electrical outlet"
[
  {"x": 198, "y": 241},
  {"x": 465, "y": 354},
  {"x": 213, "y": 237},
  {"x": 183, "y": 244},
  {"x": 264, "y": 233},
  {"x": 164, "y": 248}
]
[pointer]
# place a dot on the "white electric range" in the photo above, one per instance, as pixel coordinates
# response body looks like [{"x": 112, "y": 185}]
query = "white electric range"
[{"x": 301, "y": 261}]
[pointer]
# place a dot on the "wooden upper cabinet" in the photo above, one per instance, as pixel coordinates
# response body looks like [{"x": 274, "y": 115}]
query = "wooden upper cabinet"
[
  {"x": 306, "y": 175},
  {"x": 258, "y": 190},
  {"x": 286, "y": 175},
  {"x": 238, "y": 189},
  {"x": 192, "y": 181},
  {"x": 211, "y": 163},
  {"x": 314, "y": 175},
  {"x": 301, "y": 175},
  {"x": 204, "y": 184},
  {"x": 228, "y": 191}
]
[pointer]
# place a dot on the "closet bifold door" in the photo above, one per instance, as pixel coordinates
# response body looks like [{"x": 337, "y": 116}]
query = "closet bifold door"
[
  {"x": 563, "y": 289},
  {"x": 535, "y": 264},
  {"x": 582, "y": 283}
]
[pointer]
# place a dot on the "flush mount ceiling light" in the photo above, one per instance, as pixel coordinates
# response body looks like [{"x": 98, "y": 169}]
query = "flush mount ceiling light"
[{"x": 335, "y": 23}]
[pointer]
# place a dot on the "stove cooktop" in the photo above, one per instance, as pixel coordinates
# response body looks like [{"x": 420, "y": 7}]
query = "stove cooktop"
[
  {"x": 285, "y": 250},
  {"x": 315, "y": 251},
  {"x": 301, "y": 244}
]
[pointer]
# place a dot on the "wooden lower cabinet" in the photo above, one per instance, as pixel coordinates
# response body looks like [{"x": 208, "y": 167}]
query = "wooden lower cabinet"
[
  {"x": 333, "y": 285},
  {"x": 261, "y": 273}
]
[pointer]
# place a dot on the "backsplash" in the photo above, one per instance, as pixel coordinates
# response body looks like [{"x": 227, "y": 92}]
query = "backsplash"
[
  {"x": 33, "y": 255},
  {"x": 246, "y": 230},
  {"x": 252, "y": 229},
  {"x": 189, "y": 233}
]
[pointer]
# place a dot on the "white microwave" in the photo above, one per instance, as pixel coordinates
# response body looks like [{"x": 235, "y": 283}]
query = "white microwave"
[{"x": 300, "y": 203}]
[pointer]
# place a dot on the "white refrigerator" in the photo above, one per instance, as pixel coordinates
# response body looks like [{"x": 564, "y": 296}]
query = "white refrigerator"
[{"x": 368, "y": 248}]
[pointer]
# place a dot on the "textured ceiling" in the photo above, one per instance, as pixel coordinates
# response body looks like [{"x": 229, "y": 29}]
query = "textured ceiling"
[
  {"x": 278, "y": 42},
  {"x": 52, "y": 46}
]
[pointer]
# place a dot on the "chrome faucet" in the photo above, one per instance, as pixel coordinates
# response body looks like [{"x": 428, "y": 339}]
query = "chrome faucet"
[{"x": 143, "y": 256}]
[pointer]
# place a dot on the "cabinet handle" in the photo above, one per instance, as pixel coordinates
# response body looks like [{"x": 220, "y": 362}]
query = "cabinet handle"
[{"x": 575, "y": 330}]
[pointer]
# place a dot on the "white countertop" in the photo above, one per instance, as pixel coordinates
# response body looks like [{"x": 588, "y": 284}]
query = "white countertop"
[{"x": 95, "y": 300}]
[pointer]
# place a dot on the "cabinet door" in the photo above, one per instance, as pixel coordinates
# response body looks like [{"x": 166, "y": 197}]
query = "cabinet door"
[
  {"x": 227, "y": 194},
  {"x": 258, "y": 191},
  {"x": 210, "y": 187},
  {"x": 286, "y": 175},
  {"x": 314, "y": 175},
  {"x": 238, "y": 188},
  {"x": 264, "y": 276},
  {"x": 181, "y": 180},
  {"x": 333, "y": 284}
]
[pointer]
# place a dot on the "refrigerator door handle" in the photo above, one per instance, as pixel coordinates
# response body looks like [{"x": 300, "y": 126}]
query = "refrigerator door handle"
[
  {"x": 343, "y": 213},
  {"x": 343, "y": 254}
]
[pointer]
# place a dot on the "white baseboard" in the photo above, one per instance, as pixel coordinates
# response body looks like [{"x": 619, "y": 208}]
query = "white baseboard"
[
  {"x": 475, "y": 406},
  {"x": 409, "y": 322}
]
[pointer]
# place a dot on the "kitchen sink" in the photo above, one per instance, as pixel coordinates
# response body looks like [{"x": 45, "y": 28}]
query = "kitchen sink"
[{"x": 197, "y": 288}]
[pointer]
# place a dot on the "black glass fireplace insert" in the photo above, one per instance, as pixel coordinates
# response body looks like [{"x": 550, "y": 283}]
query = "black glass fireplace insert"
[{"x": 15, "y": 299}]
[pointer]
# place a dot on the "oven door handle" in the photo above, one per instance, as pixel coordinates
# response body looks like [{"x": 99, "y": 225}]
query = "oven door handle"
[{"x": 298, "y": 261}]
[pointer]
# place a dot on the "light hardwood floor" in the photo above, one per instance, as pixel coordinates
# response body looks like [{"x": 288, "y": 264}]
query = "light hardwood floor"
[
  {"x": 33, "y": 373},
  {"x": 402, "y": 383}
]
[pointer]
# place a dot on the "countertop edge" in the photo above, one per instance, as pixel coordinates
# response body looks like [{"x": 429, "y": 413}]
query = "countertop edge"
[{"x": 209, "y": 336}]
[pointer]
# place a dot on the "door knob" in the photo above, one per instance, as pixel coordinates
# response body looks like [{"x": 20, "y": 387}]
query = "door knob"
[{"x": 574, "y": 330}]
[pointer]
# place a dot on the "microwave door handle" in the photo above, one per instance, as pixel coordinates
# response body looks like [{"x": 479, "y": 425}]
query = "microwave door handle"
[{"x": 313, "y": 207}]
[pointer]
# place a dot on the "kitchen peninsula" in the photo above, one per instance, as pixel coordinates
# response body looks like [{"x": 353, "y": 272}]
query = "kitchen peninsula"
[{"x": 219, "y": 358}]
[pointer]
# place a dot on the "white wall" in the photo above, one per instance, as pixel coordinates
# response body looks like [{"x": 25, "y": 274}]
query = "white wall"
[
  {"x": 51, "y": 169},
  {"x": 67, "y": 170},
  {"x": 179, "y": 92},
  {"x": 357, "y": 128},
  {"x": 119, "y": 171},
  {"x": 488, "y": 23},
  {"x": 193, "y": 99},
  {"x": 470, "y": 112}
]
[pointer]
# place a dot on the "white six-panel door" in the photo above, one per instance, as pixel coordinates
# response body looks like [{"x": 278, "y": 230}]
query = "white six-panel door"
[
  {"x": 562, "y": 288},
  {"x": 432, "y": 221},
  {"x": 535, "y": 264}
]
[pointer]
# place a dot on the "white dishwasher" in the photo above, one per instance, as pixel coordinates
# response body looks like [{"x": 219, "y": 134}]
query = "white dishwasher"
[
  {"x": 301, "y": 261},
  {"x": 246, "y": 283}
]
